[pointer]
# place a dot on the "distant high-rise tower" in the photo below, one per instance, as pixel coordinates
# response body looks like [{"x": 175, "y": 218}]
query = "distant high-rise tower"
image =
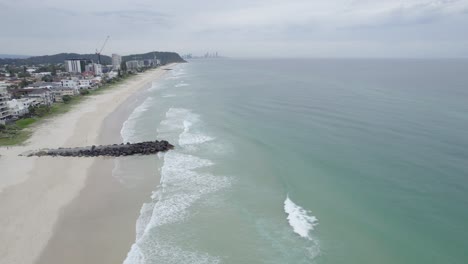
[
  {"x": 76, "y": 65},
  {"x": 116, "y": 61}
]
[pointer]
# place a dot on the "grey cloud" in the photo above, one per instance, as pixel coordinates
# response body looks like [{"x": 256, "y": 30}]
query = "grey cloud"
[
  {"x": 136, "y": 16},
  {"x": 62, "y": 11},
  {"x": 238, "y": 28}
]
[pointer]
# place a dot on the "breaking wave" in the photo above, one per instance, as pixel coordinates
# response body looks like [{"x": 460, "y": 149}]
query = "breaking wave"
[
  {"x": 300, "y": 219},
  {"x": 181, "y": 186}
]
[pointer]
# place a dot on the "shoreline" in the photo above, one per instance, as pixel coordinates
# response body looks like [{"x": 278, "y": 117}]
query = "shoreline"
[{"x": 36, "y": 192}]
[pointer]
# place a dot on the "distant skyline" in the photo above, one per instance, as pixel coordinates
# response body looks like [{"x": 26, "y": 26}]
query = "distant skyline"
[{"x": 241, "y": 28}]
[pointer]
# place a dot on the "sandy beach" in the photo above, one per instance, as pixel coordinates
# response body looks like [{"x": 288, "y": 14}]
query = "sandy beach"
[{"x": 46, "y": 202}]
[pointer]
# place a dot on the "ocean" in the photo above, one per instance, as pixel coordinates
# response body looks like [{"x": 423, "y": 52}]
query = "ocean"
[{"x": 304, "y": 161}]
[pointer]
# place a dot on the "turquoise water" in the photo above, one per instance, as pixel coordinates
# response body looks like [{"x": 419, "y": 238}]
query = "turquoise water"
[{"x": 307, "y": 161}]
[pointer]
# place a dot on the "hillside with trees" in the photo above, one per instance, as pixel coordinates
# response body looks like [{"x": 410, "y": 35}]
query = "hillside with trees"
[
  {"x": 164, "y": 57},
  {"x": 54, "y": 59}
]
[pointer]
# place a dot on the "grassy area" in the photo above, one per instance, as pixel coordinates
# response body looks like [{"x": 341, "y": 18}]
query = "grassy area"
[
  {"x": 25, "y": 122},
  {"x": 18, "y": 132},
  {"x": 14, "y": 139}
]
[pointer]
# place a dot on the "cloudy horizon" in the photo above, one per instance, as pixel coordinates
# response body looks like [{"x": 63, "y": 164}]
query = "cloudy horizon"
[{"x": 260, "y": 28}]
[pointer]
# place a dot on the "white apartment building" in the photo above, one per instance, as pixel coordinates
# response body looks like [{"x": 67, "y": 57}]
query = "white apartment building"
[
  {"x": 97, "y": 69},
  {"x": 70, "y": 83},
  {"x": 44, "y": 96},
  {"x": 4, "y": 97},
  {"x": 76, "y": 65},
  {"x": 135, "y": 64},
  {"x": 116, "y": 61},
  {"x": 20, "y": 107},
  {"x": 60, "y": 92},
  {"x": 84, "y": 84}
]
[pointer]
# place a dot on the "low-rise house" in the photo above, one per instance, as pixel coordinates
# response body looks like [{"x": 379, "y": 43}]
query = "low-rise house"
[
  {"x": 112, "y": 74},
  {"x": 41, "y": 74},
  {"x": 70, "y": 83},
  {"x": 84, "y": 84},
  {"x": 60, "y": 92},
  {"x": 39, "y": 85},
  {"x": 96, "y": 81}
]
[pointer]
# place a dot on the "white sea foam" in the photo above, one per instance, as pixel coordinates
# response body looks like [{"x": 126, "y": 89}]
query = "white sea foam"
[
  {"x": 174, "y": 122},
  {"x": 300, "y": 219},
  {"x": 128, "y": 128},
  {"x": 177, "y": 73},
  {"x": 181, "y": 84},
  {"x": 173, "y": 77},
  {"x": 188, "y": 138},
  {"x": 157, "y": 251},
  {"x": 180, "y": 187}
]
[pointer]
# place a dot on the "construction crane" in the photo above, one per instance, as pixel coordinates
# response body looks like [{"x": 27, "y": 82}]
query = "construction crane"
[{"x": 99, "y": 52}]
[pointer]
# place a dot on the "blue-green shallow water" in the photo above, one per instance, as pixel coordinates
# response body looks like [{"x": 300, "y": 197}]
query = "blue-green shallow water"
[{"x": 376, "y": 150}]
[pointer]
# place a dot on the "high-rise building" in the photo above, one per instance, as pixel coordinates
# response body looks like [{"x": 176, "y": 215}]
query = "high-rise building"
[
  {"x": 116, "y": 61},
  {"x": 4, "y": 97},
  {"x": 97, "y": 68},
  {"x": 135, "y": 64},
  {"x": 76, "y": 65}
]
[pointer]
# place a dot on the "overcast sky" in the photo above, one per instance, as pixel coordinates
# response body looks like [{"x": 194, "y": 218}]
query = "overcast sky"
[{"x": 238, "y": 28}]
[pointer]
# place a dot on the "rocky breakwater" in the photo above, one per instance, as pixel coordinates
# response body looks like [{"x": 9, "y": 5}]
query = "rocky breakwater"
[{"x": 142, "y": 148}]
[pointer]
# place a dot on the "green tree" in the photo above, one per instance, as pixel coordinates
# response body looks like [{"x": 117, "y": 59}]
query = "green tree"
[
  {"x": 40, "y": 110},
  {"x": 54, "y": 70},
  {"x": 66, "y": 98},
  {"x": 47, "y": 78},
  {"x": 123, "y": 66},
  {"x": 84, "y": 92},
  {"x": 24, "y": 74},
  {"x": 32, "y": 110},
  {"x": 24, "y": 83}
]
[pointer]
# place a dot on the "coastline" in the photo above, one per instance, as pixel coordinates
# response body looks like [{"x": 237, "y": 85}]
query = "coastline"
[{"x": 35, "y": 193}]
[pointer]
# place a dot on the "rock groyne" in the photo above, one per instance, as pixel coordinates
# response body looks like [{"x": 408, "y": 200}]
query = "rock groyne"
[{"x": 116, "y": 150}]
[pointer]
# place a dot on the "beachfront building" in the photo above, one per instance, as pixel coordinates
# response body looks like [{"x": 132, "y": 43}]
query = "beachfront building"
[
  {"x": 116, "y": 61},
  {"x": 20, "y": 107},
  {"x": 44, "y": 96},
  {"x": 134, "y": 64},
  {"x": 112, "y": 75},
  {"x": 4, "y": 97},
  {"x": 96, "y": 81},
  {"x": 60, "y": 92}
]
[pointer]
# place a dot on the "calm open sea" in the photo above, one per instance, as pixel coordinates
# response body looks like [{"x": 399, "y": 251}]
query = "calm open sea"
[{"x": 306, "y": 161}]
